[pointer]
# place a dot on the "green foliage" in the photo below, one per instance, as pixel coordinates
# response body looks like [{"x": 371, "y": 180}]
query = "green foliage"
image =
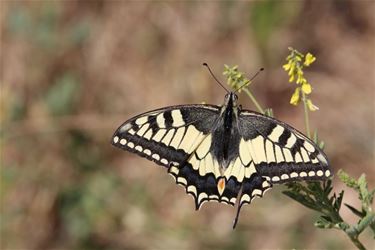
[
  {"x": 359, "y": 186},
  {"x": 317, "y": 196},
  {"x": 365, "y": 196}
]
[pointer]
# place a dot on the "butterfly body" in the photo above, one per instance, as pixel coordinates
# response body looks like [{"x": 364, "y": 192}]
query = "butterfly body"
[
  {"x": 225, "y": 133},
  {"x": 223, "y": 153}
]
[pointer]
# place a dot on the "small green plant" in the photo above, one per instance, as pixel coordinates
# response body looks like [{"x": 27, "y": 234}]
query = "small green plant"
[{"x": 317, "y": 196}]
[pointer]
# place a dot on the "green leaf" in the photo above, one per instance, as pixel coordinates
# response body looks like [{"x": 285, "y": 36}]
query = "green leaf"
[
  {"x": 304, "y": 200},
  {"x": 362, "y": 186},
  {"x": 349, "y": 181},
  {"x": 366, "y": 221},
  {"x": 355, "y": 211}
]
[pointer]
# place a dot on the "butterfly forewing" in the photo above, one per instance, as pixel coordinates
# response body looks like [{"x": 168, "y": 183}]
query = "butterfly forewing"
[
  {"x": 178, "y": 138},
  {"x": 166, "y": 135}
]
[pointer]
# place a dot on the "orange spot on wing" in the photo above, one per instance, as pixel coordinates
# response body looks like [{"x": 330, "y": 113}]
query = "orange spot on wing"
[{"x": 221, "y": 185}]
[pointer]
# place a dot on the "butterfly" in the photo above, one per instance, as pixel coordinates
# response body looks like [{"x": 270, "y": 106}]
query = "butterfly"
[{"x": 223, "y": 153}]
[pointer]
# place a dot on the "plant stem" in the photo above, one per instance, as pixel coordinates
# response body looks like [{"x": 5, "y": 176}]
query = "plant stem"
[
  {"x": 351, "y": 231},
  {"x": 257, "y": 105},
  {"x": 357, "y": 243},
  {"x": 364, "y": 222},
  {"x": 306, "y": 111}
]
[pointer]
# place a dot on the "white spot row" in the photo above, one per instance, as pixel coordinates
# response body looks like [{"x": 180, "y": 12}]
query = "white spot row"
[
  {"x": 319, "y": 173},
  {"x": 139, "y": 148}
]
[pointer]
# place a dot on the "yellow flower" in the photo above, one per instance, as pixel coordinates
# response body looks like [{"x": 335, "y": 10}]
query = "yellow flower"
[
  {"x": 309, "y": 59},
  {"x": 291, "y": 79},
  {"x": 292, "y": 68},
  {"x": 300, "y": 77},
  {"x": 287, "y": 66},
  {"x": 295, "y": 97},
  {"x": 306, "y": 88},
  {"x": 311, "y": 106}
]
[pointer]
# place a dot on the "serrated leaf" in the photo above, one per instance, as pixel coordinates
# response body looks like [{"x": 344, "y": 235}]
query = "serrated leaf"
[
  {"x": 304, "y": 200},
  {"x": 315, "y": 187},
  {"x": 349, "y": 181},
  {"x": 363, "y": 191}
]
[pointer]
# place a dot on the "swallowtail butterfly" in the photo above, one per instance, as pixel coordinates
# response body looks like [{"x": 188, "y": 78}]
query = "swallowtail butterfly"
[{"x": 223, "y": 153}]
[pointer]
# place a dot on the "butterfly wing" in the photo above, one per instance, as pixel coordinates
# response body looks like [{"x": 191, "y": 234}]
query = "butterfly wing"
[
  {"x": 276, "y": 153},
  {"x": 182, "y": 138},
  {"x": 177, "y": 138}
]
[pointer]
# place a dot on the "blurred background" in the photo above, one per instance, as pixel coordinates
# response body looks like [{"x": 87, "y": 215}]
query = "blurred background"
[{"x": 73, "y": 71}]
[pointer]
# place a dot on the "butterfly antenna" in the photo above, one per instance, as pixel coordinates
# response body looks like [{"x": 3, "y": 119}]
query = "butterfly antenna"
[
  {"x": 252, "y": 78},
  {"x": 212, "y": 74}
]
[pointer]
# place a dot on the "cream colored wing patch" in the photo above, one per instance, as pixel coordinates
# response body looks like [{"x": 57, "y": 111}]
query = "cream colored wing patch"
[
  {"x": 279, "y": 152},
  {"x": 167, "y": 135}
]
